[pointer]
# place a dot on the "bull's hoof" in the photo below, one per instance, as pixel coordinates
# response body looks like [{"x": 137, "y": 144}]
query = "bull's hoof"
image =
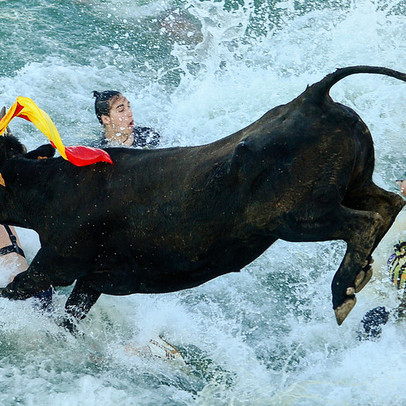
[
  {"x": 362, "y": 279},
  {"x": 342, "y": 311}
]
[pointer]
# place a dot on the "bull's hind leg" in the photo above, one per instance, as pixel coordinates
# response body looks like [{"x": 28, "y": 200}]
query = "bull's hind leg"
[
  {"x": 372, "y": 212},
  {"x": 357, "y": 228},
  {"x": 387, "y": 204}
]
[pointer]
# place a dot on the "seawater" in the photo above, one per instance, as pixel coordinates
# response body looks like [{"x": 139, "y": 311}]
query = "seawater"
[{"x": 197, "y": 71}]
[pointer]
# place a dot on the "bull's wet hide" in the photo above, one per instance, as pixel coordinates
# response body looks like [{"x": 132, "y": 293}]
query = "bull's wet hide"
[{"x": 163, "y": 220}]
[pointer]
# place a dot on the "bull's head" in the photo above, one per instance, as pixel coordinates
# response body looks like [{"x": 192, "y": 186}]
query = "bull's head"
[{"x": 11, "y": 147}]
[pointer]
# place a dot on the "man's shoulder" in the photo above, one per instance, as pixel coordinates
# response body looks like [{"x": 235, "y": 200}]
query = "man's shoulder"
[{"x": 145, "y": 137}]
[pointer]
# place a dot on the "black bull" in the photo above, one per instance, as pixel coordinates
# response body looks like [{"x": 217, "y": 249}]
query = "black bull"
[{"x": 168, "y": 219}]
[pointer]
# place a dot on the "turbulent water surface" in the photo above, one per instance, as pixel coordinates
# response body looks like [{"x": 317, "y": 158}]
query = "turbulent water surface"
[{"x": 197, "y": 71}]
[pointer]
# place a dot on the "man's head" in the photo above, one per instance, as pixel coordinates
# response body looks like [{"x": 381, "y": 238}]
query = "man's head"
[{"x": 113, "y": 110}]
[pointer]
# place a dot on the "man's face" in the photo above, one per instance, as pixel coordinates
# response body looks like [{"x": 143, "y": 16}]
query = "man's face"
[{"x": 120, "y": 118}]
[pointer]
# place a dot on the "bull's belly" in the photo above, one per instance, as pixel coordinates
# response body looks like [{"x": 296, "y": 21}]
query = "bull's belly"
[
  {"x": 151, "y": 281},
  {"x": 163, "y": 270}
]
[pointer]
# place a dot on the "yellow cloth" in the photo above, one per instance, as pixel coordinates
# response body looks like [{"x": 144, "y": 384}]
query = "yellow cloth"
[{"x": 25, "y": 108}]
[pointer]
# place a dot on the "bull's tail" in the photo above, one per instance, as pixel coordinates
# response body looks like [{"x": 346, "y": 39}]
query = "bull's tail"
[{"x": 321, "y": 89}]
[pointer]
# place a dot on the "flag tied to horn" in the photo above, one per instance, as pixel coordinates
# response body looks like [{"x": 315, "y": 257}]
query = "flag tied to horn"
[{"x": 78, "y": 155}]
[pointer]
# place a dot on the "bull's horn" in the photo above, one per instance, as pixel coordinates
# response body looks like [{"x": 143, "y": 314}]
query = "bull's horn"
[
  {"x": 2, "y": 114},
  {"x": 342, "y": 311}
]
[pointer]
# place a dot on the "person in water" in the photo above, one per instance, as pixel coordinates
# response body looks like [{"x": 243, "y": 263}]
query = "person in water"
[
  {"x": 402, "y": 186},
  {"x": 11, "y": 253},
  {"x": 12, "y": 256},
  {"x": 114, "y": 112}
]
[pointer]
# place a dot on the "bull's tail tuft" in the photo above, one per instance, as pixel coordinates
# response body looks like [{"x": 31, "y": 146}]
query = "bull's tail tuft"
[{"x": 321, "y": 89}]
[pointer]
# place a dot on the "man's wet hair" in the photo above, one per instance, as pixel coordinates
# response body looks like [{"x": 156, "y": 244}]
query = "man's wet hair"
[{"x": 102, "y": 103}]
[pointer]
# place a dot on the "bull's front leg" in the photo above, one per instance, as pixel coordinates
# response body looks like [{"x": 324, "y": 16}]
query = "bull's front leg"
[
  {"x": 79, "y": 302},
  {"x": 25, "y": 285},
  {"x": 39, "y": 277},
  {"x": 82, "y": 298}
]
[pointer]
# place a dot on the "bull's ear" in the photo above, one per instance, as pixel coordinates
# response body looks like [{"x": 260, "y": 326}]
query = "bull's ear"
[
  {"x": 2, "y": 182},
  {"x": 42, "y": 152}
]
